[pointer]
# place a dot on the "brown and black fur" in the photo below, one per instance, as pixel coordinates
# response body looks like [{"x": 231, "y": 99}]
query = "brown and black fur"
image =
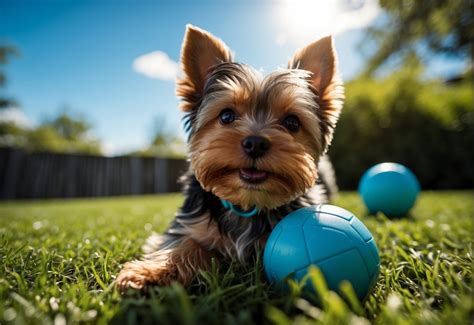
[{"x": 296, "y": 172}]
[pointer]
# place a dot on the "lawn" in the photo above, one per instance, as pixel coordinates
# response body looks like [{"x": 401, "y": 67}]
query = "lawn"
[{"x": 59, "y": 260}]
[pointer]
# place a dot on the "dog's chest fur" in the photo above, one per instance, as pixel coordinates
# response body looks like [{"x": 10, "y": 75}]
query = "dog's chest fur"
[{"x": 203, "y": 218}]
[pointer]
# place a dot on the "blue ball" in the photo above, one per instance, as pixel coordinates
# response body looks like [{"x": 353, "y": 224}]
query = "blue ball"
[
  {"x": 329, "y": 237},
  {"x": 389, "y": 188}
]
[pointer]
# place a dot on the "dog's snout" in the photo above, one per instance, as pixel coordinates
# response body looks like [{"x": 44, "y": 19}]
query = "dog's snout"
[{"x": 255, "y": 146}]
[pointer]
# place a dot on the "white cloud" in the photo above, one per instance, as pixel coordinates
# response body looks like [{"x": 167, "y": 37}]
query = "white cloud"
[
  {"x": 16, "y": 116},
  {"x": 156, "y": 65},
  {"x": 307, "y": 20}
]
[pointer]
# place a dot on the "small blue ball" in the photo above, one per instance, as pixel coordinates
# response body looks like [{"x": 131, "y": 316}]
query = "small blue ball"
[
  {"x": 329, "y": 237},
  {"x": 389, "y": 188}
]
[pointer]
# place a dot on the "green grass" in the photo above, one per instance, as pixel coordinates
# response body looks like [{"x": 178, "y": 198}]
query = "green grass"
[{"x": 59, "y": 260}]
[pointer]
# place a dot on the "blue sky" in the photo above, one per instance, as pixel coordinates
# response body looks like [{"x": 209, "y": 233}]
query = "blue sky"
[{"x": 81, "y": 53}]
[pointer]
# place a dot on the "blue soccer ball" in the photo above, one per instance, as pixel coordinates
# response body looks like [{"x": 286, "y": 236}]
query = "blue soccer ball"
[
  {"x": 328, "y": 237},
  {"x": 390, "y": 188}
]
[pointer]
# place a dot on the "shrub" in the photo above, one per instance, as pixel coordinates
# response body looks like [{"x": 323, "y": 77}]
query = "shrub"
[{"x": 426, "y": 125}]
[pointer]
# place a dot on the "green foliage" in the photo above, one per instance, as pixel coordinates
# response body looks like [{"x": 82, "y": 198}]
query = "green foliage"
[
  {"x": 165, "y": 147},
  {"x": 59, "y": 260},
  {"x": 65, "y": 134},
  {"x": 164, "y": 142},
  {"x": 69, "y": 127},
  {"x": 441, "y": 26},
  {"x": 426, "y": 125},
  {"x": 6, "y": 52}
]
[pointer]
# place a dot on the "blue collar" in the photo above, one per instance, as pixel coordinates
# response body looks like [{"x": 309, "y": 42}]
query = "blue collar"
[{"x": 240, "y": 213}]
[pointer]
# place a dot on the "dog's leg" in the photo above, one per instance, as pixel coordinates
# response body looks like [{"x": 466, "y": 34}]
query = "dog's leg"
[
  {"x": 179, "y": 263},
  {"x": 186, "y": 247}
]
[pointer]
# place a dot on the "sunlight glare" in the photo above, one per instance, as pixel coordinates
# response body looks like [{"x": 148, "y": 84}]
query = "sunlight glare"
[{"x": 308, "y": 20}]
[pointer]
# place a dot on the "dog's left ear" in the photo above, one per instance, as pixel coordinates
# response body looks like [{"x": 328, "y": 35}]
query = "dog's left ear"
[
  {"x": 200, "y": 52},
  {"x": 320, "y": 59}
]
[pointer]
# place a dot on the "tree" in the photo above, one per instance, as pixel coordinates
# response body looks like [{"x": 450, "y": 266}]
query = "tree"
[
  {"x": 164, "y": 142},
  {"x": 6, "y": 52},
  {"x": 70, "y": 127},
  {"x": 427, "y": 125},
  {"x": 436, "y": 27},
  {"x": 64, "y": 133}
]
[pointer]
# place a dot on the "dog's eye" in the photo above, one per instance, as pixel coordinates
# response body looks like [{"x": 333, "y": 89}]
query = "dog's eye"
[
  {"x": 292, "y": 123},
  {"x": 227, "y": 116}
]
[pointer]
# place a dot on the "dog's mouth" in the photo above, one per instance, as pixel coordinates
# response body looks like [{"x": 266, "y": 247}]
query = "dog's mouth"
[{"x": 253, "y": 175}]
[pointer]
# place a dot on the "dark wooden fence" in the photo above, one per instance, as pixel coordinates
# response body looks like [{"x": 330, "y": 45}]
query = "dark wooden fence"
[{"x": 26, "y": 175}]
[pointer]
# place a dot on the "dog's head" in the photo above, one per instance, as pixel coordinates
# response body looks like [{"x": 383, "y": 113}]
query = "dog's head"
[{"x": 256, "y": 140}]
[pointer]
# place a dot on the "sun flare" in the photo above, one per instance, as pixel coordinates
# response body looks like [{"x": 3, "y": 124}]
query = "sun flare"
[
  {"x": 309, "y": 17},
  {"x": 307, "y": 20}
]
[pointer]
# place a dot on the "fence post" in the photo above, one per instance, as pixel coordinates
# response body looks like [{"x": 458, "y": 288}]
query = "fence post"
[
  {"x": 12, "y": 172},
  {"x": 135, "y": 174},
  {"x": 161, "y": 184}
]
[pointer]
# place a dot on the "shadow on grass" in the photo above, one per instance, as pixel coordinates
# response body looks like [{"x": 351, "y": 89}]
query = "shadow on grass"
[
  {"x": 381, "y": 217},
  {"x": 231, "y": 294},
  {"x": 239, "y": 296}
]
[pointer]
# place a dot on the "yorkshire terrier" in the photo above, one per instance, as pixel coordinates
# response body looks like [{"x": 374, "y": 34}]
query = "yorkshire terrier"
[{"x": 256, "y": 150}]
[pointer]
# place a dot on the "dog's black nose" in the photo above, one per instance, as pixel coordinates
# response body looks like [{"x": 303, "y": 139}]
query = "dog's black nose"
[{"x": 255, "y": 146}]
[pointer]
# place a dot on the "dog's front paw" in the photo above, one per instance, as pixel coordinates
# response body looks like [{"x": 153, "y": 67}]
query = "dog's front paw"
[
  {"x": 140, "y": 274},
  {"x": 131, "y": 276}
]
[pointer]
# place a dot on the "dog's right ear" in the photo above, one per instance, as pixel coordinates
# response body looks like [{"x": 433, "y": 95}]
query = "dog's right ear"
[{"x": 199, "y": 53}]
